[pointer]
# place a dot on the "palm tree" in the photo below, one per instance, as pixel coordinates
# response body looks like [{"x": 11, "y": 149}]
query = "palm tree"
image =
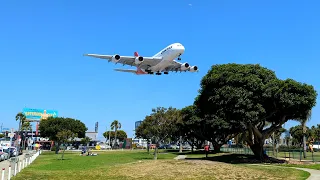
[
  {"x": 21, "y": 118},
  {"x": 303, "y": 122},
  {"x": 115, "y": 125}
]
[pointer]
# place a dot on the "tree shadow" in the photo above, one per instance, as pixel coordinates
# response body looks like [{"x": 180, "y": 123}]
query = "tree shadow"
[
  {"x": 198, "y": 152},
  {"x": 64, "y": 159},
  {"x": 239, "y": 159}
]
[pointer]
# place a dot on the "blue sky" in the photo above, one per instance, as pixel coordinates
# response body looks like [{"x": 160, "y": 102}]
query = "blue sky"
[{"x": 42, "y": 46}]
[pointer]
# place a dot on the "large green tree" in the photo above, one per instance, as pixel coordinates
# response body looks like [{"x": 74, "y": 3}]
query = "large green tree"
[
  {"x": 121, "y": 135},
  {"x": 192, "y": 126},
  {"x": 298, "y": 134},
  {"x": 50, "y": 128},
  {"x": 159, "y": 125},
  {"x": 213, "y": 129},
  {"x": 65, "y": 136},
  {"x": 249, "y": 96}
]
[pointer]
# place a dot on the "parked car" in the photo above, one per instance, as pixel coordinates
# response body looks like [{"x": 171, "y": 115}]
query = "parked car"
[
  {"x": 12, "y": 151},
  {"x": 4, "y": 156}
]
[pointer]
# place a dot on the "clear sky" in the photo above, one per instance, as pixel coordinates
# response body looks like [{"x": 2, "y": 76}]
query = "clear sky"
[{"x": 42, "y": 45}]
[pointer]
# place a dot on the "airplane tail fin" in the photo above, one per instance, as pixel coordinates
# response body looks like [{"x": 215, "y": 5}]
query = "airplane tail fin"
[{"x": 139, "y": 71}]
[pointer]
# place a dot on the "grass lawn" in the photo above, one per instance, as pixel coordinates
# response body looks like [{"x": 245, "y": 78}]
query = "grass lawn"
[
  {"x": 309, "y": 166},
  {"x": 139, "y": 165}
]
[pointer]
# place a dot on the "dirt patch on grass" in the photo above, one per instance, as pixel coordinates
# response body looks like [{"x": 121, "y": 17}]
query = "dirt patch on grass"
[{"x": 197, "y": 169}]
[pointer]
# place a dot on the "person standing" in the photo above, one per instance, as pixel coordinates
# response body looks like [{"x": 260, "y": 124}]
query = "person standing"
[{"x": 206, "y": 150}]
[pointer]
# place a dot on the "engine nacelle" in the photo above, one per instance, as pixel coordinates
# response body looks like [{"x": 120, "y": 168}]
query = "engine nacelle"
[
  {"x": 116, "y": 58},
  {"x": 138, "y": 60},
  {"x": 193, "y": 69},
  {"x": 184, "y": 66}
]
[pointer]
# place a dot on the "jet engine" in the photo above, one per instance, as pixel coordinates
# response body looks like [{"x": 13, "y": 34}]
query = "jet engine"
[
  {"x": 193, "y": 68},
  {"x": 138, "y": 60},
  {"x": 116, "y": 58},
  {"x": 184, "y": 66}
]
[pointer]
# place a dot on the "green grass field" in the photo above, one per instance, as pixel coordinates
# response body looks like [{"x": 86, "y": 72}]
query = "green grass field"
[{"x": 139, "y": 165}]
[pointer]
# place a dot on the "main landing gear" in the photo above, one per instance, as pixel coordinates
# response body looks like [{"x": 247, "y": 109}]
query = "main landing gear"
[{"x": 159, "y": 73}]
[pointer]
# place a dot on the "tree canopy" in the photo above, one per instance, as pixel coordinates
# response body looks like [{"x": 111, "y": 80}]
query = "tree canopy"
[
  {"x": 52, "y": 126},
  {"x": 249, "y": 96},
  {"x": 159, "y": 125},
  {"x": 121, "y": 135}
]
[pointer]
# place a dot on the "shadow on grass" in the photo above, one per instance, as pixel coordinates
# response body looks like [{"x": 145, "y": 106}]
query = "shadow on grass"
[
  {"x": 238, "y": 159},
  {"x": 64, "y": 159}
]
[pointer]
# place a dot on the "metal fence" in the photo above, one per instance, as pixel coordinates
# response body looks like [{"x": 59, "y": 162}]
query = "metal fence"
[{"x": 288, "y": 153}]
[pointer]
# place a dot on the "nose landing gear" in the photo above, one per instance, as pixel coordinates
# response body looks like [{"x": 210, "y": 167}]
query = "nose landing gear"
[{"x": 179, "y": 58}]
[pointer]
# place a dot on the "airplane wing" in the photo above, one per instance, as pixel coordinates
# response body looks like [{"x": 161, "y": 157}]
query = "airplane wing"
[
  {"x": 129, "y": 60},
  {"x": 176, "y": 66},
  {"x": 126, "y": 70}
]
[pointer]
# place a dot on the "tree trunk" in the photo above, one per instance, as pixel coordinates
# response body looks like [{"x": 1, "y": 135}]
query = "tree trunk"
[
  {"x": 148, "y": 146},
  {"x": 257, "y": 149},
  {"x": 273, "y": 144},
  {"x": 304, "y": 147},
  {"x": 57, "y": 147},
  {"x": 62, "y": 156},
  {"x": 115, "y": 137},
  {"x": 192, "y": 145},
  {"x": 155, "y": 155},
  {"x": 180, "y": 147},
  {"x": 216, "y": 148}
]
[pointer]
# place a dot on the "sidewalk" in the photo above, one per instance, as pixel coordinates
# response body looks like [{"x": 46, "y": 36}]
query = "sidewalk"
[{"x": 5, "y": 164}]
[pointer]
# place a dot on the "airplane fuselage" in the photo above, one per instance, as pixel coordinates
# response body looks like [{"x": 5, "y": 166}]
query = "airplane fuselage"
[{"x": 168, "y": 54}]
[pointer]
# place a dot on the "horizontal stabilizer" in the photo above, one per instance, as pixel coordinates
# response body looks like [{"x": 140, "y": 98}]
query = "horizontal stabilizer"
[{"x": 127, "y": 70}]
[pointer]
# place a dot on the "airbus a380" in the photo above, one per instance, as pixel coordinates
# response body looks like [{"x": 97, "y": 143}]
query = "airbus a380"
[{"x": 163, "y": 61}]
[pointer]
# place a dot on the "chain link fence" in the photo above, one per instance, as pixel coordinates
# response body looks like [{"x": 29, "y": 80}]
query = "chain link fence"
[{"x": 281, "y": 152}]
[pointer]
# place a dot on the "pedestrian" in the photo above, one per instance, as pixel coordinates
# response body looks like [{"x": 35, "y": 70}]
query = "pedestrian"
[{"x": 206, "y": 150}]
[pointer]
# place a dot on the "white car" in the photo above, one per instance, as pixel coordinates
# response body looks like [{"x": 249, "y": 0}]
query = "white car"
[{"x": 4, "y": 156}]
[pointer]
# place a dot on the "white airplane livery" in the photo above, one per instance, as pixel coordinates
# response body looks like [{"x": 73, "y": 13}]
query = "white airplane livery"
[{"x": 163, "y": 61}]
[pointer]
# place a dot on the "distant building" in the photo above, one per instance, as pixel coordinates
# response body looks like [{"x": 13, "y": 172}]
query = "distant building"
[{"x": 137, "y": 124}]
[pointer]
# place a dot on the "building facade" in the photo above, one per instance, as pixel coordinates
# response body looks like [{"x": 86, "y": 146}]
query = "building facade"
[{"x": 137, "y": 124}]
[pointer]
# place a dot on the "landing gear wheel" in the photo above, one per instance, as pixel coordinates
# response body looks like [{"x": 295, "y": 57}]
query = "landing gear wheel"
[
  {"x": 179, "y": 59},
  {"x": 158, "y": 73},
  {"x": 165, "y": 73}
]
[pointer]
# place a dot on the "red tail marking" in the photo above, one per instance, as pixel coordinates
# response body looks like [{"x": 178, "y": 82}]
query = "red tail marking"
[{"x": 139, "y": 71}]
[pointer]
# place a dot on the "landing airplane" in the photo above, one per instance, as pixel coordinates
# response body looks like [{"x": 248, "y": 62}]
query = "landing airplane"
[{"x": 163, "y": 61}]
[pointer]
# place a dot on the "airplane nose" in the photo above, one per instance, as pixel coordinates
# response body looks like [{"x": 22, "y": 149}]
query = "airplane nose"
[{"x": 182, "y": 49}]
